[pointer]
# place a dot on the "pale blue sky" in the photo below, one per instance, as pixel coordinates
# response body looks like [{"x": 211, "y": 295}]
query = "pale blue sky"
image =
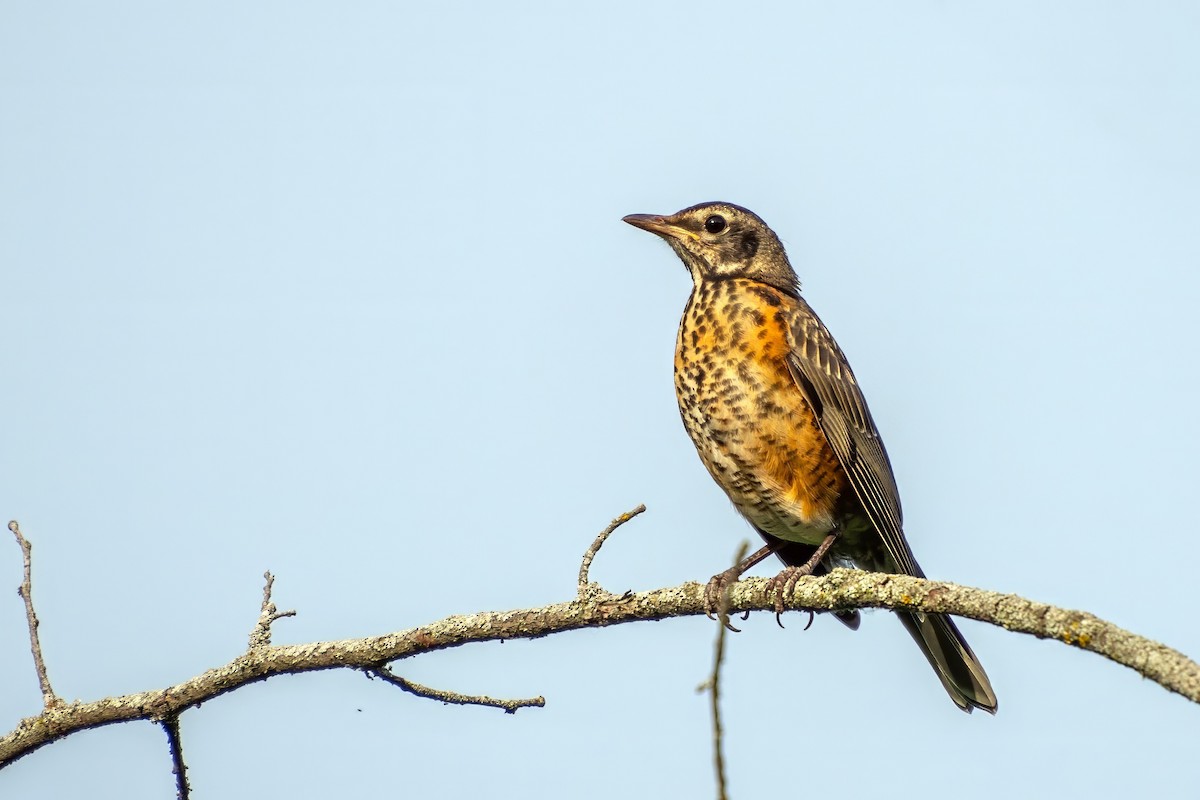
[{"x": 342, "y": 291}]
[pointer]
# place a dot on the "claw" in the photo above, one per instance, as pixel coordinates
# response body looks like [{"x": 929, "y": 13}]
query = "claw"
[
  {"x": 782, "y": 585},
  {"x": 716, "y": 593},
  {"x": 716, "y": 597},
  {"x": 785, "y": 581}
]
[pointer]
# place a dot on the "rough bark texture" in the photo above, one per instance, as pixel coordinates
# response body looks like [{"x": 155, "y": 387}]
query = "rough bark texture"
[{"x": 595, "y": 608}]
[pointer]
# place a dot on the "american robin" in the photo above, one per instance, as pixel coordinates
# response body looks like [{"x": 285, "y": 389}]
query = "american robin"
[{"x": 778, "y": 419}]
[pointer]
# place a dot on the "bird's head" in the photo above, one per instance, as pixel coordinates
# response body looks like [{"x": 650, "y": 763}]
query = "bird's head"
[{"x": 721, "y": 240}]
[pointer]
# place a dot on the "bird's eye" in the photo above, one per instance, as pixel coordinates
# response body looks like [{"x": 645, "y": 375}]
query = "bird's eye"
[{"x": 714, "y": 224}]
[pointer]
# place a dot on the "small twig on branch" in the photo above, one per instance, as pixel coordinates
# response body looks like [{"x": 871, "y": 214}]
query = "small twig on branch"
[
  {"x": 509, "y": 706},
  {"x": 260, "y": 636},
  {"x": 590, "y": 555},
  {"x": 25, "y": 590},
  {"x": 713, "y": 686},
  {"x": 183, "y": 789}
]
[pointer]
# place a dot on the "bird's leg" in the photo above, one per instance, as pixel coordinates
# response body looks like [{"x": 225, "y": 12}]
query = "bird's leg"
[
  {"x": 716, "y": 593},
  {"x": 785, "y": 581}
]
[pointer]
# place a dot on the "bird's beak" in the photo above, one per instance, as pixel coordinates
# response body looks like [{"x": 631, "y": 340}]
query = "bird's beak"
[{"x": 656, "y": 225}]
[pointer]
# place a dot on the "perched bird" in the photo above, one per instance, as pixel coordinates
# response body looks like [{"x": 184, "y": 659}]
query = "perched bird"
[{"x": 778, "y": 419}]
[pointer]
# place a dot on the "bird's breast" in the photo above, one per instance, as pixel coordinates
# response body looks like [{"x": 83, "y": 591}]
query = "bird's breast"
[{"x": 751, "y": 425}]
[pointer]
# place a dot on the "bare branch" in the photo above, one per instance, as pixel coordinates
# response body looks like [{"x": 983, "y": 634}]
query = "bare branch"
[
  {"x": 590, "y": 555},
  {"x": 25, "y": 590},
  {"x": 509, "y": 706},
  {"x": 841, "y": 589},
  {"x": 713, "y": 686},
  {"x": 260, "y": 636},
  {"x": 183, "y": 789}
]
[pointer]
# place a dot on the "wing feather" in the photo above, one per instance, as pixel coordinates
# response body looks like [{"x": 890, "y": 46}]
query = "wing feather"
[{"x": 822, "y": 373}]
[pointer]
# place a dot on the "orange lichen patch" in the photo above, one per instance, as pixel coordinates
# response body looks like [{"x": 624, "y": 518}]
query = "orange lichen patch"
[{"x": 1072, "y": 635}]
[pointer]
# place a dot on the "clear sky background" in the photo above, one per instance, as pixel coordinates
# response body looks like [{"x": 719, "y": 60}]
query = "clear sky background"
[{"x": 342, "y": 291}]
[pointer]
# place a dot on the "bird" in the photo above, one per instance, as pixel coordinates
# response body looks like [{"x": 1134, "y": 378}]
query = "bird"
[{"x": 780, "y": 422}]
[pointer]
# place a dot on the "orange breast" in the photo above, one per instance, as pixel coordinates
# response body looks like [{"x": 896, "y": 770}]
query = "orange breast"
[{"x": 748, "y": 419}]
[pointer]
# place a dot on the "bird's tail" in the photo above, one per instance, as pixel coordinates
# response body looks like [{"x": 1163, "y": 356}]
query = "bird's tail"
[{"x": 952, "y": 660}]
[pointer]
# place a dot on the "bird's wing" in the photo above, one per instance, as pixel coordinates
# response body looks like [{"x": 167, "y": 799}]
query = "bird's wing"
[{"x": 824, "y": 376}]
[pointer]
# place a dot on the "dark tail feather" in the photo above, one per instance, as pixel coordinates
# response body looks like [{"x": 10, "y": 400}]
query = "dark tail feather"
[{"x": 952, "y": 660}]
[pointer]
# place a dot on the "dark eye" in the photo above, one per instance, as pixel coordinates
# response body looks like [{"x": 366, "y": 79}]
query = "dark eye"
[{"x": 714, "y": 224}]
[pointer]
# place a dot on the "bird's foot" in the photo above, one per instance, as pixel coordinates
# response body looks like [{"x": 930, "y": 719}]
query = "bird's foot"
[
  {"x": 785, "y": 582},
  {"x": 781, "y": 585},
  {"x": 716, "y": 596}
]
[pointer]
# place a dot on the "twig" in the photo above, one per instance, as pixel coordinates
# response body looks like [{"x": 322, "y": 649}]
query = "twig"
[
  {"x": 260, "y": 635},
  {"x": 25, "y": 590},
  {"x": 713, "y": 686},
  {"x": 183, "y": 789},
  {"x": 509, "y": 706},
  {"x": 599, "y": 542}
]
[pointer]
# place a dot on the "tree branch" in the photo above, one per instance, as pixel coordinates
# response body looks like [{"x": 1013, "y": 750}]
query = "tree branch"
[
  {"x": 841, "y": 589},
  {"x": 599, "y": 541},
  {"x": 713, "y": 687},
  {"x": 183, "y": 789},
  {"x": 454, "y": 698},
  {"x": 25, "y": 590},
  {"x": 260, "y": 635}
]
